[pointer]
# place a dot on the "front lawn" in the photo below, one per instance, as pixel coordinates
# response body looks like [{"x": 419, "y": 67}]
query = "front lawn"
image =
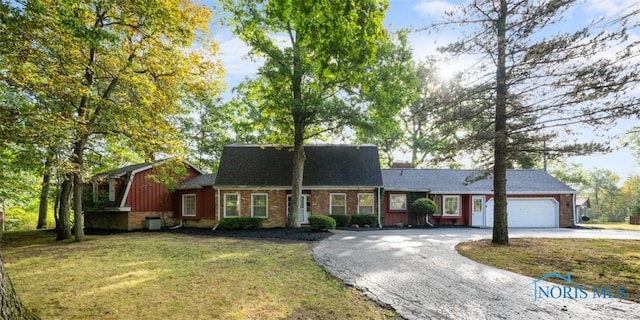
[
  {"x": 174, "y": 276},
  {"x": 592, "y": 262},
  {"x": 612, "y": 225}
]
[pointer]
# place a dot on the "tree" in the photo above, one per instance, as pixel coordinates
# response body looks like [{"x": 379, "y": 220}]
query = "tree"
[
  {"x": 423, "y": 207},
  {"x": 314, "y": 52},
  {"x": 108, "y": 69},
  {"x": 10, "y": 305},
  {"x": 395, "y": 83},
  {"x": 533, "y": 67},
  {"x": 630, "y": 195}
]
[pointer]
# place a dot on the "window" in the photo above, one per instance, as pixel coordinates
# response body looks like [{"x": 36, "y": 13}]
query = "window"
[
  {"x": 112, "y": 189},
  {"x": 397, "y": 202},
  {"x": 231, "y": 205},
  {"x": 189, "y": 205},
  {"x": 338, "y": 203},
  {"x": 478, "y": 204},
  {"x": 451, "y": 206},
  {"x": 259, "y": 202},
  {"x": 365, "y": 203}
]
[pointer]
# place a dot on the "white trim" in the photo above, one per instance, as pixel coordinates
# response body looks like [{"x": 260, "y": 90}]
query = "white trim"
[
  {"x": 331, "y": 202},
  {"x": 224, "y": 203},
  {"x": 484, "y": 210},
  {"x": 217, "y": 205},
  {"x": 288, "y": 188},
  {"x": 404, "y": 208},
  {"x": 444, "y": 204},
  {"x": 126, "y": 190},
  {"x": 266, "y": 206},
  {"x": 195, "y": 210},
  {"x": 379, "y": 208},
  {"x": 307, "y": 205},
  {"x": 116, "y": 209},
  {"x": 373, "y": 204},
  {"x": 480, "y": 192}
]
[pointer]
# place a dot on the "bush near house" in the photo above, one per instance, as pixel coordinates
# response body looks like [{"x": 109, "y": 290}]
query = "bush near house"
[
  {"x": 423, "y": 206},
  {"x": 365, "y": 219},
  {"x": 321, "y": 223},
  {"x": 241, "y": 223},
  {"x": 342, "y": 220}
]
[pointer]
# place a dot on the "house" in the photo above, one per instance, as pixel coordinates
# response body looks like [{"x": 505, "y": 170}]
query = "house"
[
  {"x": 464, "y": 197},
  {"x": 195, "y": 201},
  {"x": 582, "y": 209},
  {"x": 255, "y": 181},
  {"x": 122, "y": 199}
]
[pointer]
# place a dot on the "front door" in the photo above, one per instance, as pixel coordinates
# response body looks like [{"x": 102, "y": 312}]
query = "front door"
[
  {"x": 477, "y": 211},
  {"x": 305, "y": 208}
]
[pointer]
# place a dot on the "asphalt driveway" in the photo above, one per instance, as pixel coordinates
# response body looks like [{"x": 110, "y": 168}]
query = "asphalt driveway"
[{"x": 419, "y": 274}]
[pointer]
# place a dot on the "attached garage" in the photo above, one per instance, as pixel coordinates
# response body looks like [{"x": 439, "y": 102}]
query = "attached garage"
[
  {"x": 535, "y": 198},
  {"x": 528, "y": 213}
]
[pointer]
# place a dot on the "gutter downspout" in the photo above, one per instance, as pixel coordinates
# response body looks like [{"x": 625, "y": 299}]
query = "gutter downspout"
[
  {"x": 217, "y": 209},
  {"x": 575, "y": 218},
  {"x": 379, "y": 209}
]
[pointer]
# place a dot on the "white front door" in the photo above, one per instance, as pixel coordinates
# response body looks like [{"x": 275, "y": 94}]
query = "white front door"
[
  {"x": 304, "y": 209},
  {"x": 477, "y": 211}
]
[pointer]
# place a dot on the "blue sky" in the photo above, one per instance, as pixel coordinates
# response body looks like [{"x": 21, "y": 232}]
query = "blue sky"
[{"x": 419, "y": 13}]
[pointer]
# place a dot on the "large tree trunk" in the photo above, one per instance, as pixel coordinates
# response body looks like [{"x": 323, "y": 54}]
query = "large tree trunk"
[
  {"x": 44, "y": 195},
  {"x": 500, "y": 227},
  {"x": 298, "y": 172},
  {"x": 10, "y": 305},
  {"x": 299, "y": 121},
  {"x": 63, "y": 223},
  {"x": 78, "y": 215}
]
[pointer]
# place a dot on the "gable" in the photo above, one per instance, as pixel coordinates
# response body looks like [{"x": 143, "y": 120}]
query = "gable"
[{"x": 325, "y": 166}]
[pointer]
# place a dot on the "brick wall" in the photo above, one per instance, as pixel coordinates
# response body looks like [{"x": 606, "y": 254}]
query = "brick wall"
[
  {"x": 320, "y": 202},
  {"x": 137, "y": 221},
  {"x": 277, "y": 203},
  {"x": 566, "y": 211}
]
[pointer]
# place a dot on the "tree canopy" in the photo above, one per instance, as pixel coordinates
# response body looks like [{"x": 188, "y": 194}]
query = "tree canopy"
[
  {"x": 540, "y": 77},
  {"x": 95, "y": 73},
  {"x": 315, "y": 53}
]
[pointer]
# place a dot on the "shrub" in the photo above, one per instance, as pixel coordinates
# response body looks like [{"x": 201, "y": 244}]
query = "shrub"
[
  {"x": 321, "y": 223},
  {"x": 365, "y": 219},
  {"x": 423, "y": 206},
  {"x": 342, "y": 220},
  {"x": 245, "y": 223}
]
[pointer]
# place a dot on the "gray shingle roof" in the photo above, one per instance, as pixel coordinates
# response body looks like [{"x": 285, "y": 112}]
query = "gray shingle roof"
[
  {"x": 451, "y": 181},
  {"x": 198, "y": 182},
  {"x": 325, "y": 165}
]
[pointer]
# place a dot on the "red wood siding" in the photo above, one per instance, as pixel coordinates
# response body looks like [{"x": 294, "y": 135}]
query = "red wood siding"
[
  {"x": 148, "y": 195},
  {"x": 391, "y": 218},
  {"x": 205, "y": 203}
]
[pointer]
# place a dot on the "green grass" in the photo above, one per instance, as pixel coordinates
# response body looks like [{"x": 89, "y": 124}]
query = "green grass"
[
  {"x": 592, "y": 262},
  {"x": 169, "y": 276},
  {"x": 612, "y": 225}
]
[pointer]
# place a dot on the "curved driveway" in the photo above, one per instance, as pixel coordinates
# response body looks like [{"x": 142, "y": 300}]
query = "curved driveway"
[{"x": 419, "y": 274}]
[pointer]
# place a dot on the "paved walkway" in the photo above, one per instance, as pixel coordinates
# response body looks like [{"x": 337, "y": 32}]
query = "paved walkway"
[{"x": 419, "y": 274}]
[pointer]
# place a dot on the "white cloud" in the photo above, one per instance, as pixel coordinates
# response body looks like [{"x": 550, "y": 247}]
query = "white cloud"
[
  {"x": 612, "y": 7},
  {"x": 434, "y": 8},
  {"x": 237, "y": 63}
]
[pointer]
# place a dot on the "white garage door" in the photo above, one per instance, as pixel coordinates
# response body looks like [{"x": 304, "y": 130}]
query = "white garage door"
[{"x": 528, "y": 213}]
